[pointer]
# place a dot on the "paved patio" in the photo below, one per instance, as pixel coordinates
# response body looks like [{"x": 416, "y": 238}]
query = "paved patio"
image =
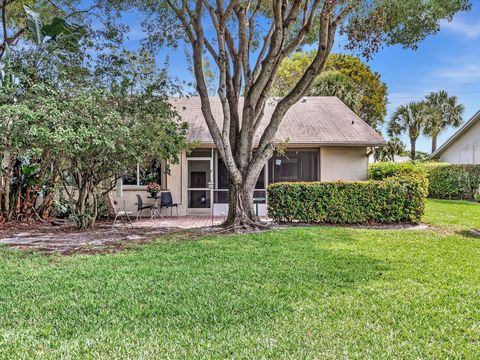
[
  {"x": 67, "y": 239},
  {"x": 180, "y": 222}
]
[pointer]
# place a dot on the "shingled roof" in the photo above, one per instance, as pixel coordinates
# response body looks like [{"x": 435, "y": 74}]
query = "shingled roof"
[{"x": 319, "y": 120}]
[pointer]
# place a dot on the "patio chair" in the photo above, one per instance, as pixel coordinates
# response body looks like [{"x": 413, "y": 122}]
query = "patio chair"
[
  {"x": 141, "y": 207},
  {"x": 115, "y": 212},
  {"x": 167, "y": 202}
]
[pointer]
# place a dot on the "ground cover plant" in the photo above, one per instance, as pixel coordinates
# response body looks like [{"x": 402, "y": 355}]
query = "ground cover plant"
[{"x": 315, "y": 292}]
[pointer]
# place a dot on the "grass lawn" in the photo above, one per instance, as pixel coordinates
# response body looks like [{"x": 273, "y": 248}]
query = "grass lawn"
[
  {"x": 321, "y": 292},
  {"x": 454, "y": 214}
]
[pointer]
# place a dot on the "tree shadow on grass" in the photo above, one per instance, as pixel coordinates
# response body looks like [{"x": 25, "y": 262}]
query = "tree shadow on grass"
[{"x": 191, "y": 290}]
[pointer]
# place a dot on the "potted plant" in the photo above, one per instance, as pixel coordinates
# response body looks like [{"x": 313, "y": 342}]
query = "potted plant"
[{"x": 153, "y": 188}]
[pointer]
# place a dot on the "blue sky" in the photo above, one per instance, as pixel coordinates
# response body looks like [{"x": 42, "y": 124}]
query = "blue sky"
[{"x": 449, "y": 60}]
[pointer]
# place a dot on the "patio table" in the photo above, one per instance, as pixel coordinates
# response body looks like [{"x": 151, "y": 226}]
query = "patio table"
[{"x": 157, "y": 210}]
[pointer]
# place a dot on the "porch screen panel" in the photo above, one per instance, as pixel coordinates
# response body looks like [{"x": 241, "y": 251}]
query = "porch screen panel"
[
  {"x": 221, "y": 190},
  {"x": 301, "y": 165}
]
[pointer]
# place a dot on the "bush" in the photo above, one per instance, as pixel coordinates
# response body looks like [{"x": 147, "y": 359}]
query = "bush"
[
  {"x": 383, "y": 170},
  {"x": 446, "y": 181},
  {"x": 391, "y": 200},
  {"x": 454, "y": 181}
]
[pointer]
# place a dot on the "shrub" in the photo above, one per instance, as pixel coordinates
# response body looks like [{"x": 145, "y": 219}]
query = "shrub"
[
  {"x": 383, "y": 170},
  {"x": 391, "y": 200},
  {"x": 454, "y": 181},
  {"x": 446, "y": 181}
]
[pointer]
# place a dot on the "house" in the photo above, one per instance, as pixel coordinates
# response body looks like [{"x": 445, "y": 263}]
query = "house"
[
  {"x": 322, "y": 137},
  {"x": 464, "y": 146}
]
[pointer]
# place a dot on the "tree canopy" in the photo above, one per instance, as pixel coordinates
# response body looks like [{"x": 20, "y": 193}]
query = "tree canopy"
[
  {"x": 409, "y": 119},
  {"x": 68, "y": 116},
  {"x": 344, "y": 76},
  {"x": 444, "y": 111}
]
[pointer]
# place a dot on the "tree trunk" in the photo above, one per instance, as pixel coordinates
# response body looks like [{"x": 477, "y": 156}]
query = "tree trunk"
[
  {"x": 47, "y": 204},
  {"x": 434, "y": 143},
  {"x": 8, "y": 179},
  {"x": 413, "y": 148},
  {"x": 241, "y": 211}
]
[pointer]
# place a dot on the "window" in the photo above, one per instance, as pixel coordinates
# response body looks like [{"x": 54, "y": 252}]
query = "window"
[
  {"x": 301, "y": 165},
  {"x": 144, "y": 175}
]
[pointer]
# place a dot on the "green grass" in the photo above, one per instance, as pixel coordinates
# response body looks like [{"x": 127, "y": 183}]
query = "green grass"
[
  {"x": 454, "y": 214},
  {"x": 298, "y": 293}
]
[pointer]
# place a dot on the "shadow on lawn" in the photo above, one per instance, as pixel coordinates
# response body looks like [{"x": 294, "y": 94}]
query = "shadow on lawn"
[{"x": 251, "y": 281}]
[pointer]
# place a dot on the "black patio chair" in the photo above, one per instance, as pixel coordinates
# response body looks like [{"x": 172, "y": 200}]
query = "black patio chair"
[
  {"x": 141, "y": 207},
  {"x": 167, "y": 202}
]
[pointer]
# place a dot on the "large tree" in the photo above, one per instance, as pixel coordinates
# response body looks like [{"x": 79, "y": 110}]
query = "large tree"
[
  {"x": 67, "y": 115},
  {"x": 444, "y": 111},
  {"x": 344, "y": 76},
  {"x": 409, "y": 119},
  {"x": 247, "y": 41}
]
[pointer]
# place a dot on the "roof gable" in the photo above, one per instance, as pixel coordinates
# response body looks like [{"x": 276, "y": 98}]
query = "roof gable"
[{"x": 467, "y": 126}]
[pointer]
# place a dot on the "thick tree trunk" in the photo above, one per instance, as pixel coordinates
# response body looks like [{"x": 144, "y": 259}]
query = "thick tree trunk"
[
  {"x": 434, "y": 143},
  {"x": 413, "y": 149},
  {"x": 241, "y": 211}
]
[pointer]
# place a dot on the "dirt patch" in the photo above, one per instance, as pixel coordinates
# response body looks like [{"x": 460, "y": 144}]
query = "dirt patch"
[{"x": 67, "y": 239}]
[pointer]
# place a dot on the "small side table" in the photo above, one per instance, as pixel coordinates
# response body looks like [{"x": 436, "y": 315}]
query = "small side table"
[{"x": 256, "y": 201}]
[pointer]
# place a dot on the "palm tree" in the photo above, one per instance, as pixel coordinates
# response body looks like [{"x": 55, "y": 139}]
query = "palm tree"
[
  {"x": 394, "y": 146},
  {"x": 444, "y": 111},
  {"x": 409, "y": 119},
  {"x": 334, "y": 83}
]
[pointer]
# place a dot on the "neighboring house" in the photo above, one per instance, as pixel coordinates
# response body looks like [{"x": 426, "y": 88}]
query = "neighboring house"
[
  {"x": 464, "y": 146},
  {"x": 322, "y": 137}
]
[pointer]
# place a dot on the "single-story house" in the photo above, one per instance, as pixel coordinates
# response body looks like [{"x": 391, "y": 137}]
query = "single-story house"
[
  {"x": 323, "y": 140},
  {"x": 464, "y": 146}
]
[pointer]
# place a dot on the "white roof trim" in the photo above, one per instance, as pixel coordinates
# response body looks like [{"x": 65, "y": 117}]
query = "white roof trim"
[{"x": 473, "y": 120}]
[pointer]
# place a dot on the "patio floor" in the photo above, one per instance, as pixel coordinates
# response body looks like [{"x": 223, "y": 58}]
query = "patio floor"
[{"x": 67, "y": 239}]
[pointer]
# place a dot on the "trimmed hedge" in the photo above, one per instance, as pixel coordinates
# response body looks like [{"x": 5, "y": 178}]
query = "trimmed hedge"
[
  {"x": 454, "y": 181},
  {"x": 383, "y": 170},
  {"x": 391, "y": 200},
  {"x": 446, "y": 181}
]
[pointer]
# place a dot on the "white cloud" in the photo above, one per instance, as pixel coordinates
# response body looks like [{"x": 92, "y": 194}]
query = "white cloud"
[
  {"x": 468, "y": 30},
  {"x": 466, "y": 73}
]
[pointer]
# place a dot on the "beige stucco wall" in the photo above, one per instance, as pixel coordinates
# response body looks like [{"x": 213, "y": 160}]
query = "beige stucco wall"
[
  {"x": 465, "y": 149},
  {"x": 343, "y": 163}
]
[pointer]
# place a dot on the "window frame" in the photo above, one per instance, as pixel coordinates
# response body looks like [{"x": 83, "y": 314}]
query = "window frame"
[
  {"x": 137, "y": 186},
  {"x": 310, "y": 150}
]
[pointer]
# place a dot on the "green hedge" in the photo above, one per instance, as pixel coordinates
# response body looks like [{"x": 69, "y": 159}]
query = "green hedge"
[
  {"x": 383, "y": 170},
  {"x": 454, "y": 181},
  {"x": 391, "y": 200},
  {"x": 446, "y": 181}
]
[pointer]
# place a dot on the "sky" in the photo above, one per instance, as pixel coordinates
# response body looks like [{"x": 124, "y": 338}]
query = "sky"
[{"x": 448, "y": 60}]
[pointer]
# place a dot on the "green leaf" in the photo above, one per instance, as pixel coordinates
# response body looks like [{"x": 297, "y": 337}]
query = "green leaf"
[
  {"x": 56, "y": 27},
  {"x": 34, "y": 23}
]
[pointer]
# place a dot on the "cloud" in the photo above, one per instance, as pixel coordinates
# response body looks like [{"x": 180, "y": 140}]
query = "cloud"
[
  {"x": 466, "y": 73},
  {"x": 468, "y": 30}
]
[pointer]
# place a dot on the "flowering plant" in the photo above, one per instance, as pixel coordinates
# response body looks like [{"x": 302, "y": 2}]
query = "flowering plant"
[{"x": 153, "y": 188}]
